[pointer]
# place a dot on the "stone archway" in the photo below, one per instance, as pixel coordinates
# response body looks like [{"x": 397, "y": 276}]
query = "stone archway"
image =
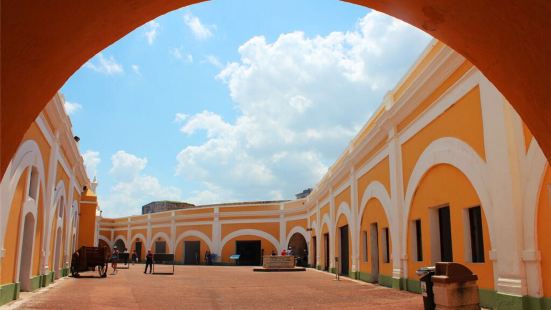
[
  {"x": 486, "y": 34},
  {"x": 298, "y": 247}
]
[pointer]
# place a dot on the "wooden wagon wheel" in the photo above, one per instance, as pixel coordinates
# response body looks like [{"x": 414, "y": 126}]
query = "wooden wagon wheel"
[{"x": 102, "y": 270}]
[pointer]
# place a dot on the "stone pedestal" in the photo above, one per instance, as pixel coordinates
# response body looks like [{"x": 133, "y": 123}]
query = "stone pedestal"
[
  {"x": 274, "y": 262},
  {"x": 457, "y": 296}
]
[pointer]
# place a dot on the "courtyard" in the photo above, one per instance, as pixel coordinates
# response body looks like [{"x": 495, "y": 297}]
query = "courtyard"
[{"x": 215, "y": 287}]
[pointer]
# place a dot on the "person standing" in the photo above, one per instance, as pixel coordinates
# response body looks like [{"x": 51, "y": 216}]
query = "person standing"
[
  {"x": 134, "y": 257},
  {"x": 148, "y": 261},
  {"x": 114, "y": 260}
]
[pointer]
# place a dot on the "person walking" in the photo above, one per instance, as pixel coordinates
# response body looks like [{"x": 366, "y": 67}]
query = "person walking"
[
  {"x": 148, "y": 261},
  {"x": 134, "y": 257},
  {"x": 114, "y": 260},
  {"x": 207, "y": 257}
]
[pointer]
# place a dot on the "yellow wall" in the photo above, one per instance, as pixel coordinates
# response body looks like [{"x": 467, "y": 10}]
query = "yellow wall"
[
  {"x": 11, "y": 244},
  {"x": 374, "y": 213},
  {"x": 229, "y": 247},
  {"x": 446, "y": 185}
]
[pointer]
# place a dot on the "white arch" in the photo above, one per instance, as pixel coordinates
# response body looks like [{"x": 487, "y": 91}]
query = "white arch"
[
  {"x": 299, "y": 230},
  {"x": 344, "y": 209},
  {"x": 378, "y": 191},
  {"x": 326, "y": 220},
  {"x": 250, "y": 232},
  {"x": 123, "y": 240},
  {"x": 28, "y": 154},
  {"x": 164, "y": 236},
  {"x": 460, "y": 155},
  {"x": 314, "y": 226},
  {"x": 195, "y": 233},
  {"x": 102, "y": 237},
  {"x": 138, "y": 235}
]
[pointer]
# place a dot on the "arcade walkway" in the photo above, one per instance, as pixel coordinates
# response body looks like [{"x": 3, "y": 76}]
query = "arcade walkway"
[{"x": 213, "y": 287}]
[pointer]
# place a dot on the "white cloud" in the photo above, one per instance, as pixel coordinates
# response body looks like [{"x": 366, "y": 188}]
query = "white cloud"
[
  {"x": 136, "y": 69},
  {"x": 200, "y": 31},
  {"x": 71, "y": 107},
  {"x": 91, "y": 162},
  {"x": 152, "y": 31},
  {"x": 178, "y": 53},
  {"x": 133, "y": 188},
  {"x": 213, "y": 60},
  {"x": 104, "y": 65},
  {"x": 301, "y": 99}
]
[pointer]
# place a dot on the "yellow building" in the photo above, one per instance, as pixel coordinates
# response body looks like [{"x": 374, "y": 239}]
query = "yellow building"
[
  {"x": 45, "y": 199},
  {"x": 445, "y": 170}
]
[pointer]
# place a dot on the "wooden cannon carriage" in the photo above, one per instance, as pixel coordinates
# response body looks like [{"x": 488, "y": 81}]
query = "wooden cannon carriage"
[{"x": 89, "y": 258}]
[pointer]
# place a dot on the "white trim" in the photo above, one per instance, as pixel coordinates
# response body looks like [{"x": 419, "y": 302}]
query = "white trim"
[
  {"x": 194, "y": 233},
  {"x": 123, "y": 238},
  {"x": 299, "y": 230},
  {"x": 250, "y": 232},
  {"x": 450, "y": 97},
  {"x": 164, "y": 236},
  {"x": 102, "y": 237},
  {"x": 344, "y": 209},
  {"x": 460, "y": 155},
  {"x": 376, "y": 190}
]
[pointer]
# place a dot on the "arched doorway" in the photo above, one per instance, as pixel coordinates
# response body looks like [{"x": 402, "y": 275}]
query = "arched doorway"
[
  {"x": 375, "y": 244},
  {"x": 26, "y": 256},
  {"x": 342, "y": 245},
  {"x": 119, "y": 244},
  {"x": 299, "y": 248},
  {"x": 447, "y": 222}
]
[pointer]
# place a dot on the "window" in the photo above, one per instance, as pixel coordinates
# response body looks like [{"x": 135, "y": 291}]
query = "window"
[
  {"x": 477, "y": 239},
  {"x": 386, "y": 245},
  {"x": 364, "y": 244},
  {"x": 33, "y": 184},
  {"x": 418, "y": 247},
  {"x": 444, "y": 225}
]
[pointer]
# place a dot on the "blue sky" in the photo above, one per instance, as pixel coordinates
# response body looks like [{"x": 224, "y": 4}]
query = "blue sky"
[{"x": 232, "y": 100}]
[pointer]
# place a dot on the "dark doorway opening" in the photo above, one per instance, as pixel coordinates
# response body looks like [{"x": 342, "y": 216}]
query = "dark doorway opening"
[
  {"x": 315, "y": 252},
  {"x": 326, "y": 251},
  {"x": 192, "y": 252},
  {"x": 299, "y": 248},
  {"x": 120, "y": 245},
  {"x": 344, "y": 250},
  {"x": 249, "y": 252},
  {"x": 374, "y": 240},
  {"x": 160, "y": 247},
  {"x": 444, "y": 224},
  {"x": 139, "y": 250}
]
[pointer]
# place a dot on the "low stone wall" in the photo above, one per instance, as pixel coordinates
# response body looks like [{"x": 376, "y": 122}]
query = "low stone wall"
[{"x": 275, "y": 262}]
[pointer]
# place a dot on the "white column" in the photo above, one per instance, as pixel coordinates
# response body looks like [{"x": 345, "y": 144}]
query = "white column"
[
  {"x": 129, "y": 235},
  {"x": 397, "y": 220},
  {"x": 504, "y": 175},
  {"x": 318, "y": 235},
  {"x": 332, "y": 230},
  {"x": 355, "y": 221},
  {"x": 48, "y": 203},
  {"x": 216, "y": 235},
  {"x": 173, "y": 232},
  {"x": 282, "y": 229},
  {"x": 148, "y": 233}
]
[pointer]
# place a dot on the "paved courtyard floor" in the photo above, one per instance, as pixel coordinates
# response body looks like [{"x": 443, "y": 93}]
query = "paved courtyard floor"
[{"x": 215, "y": 287}]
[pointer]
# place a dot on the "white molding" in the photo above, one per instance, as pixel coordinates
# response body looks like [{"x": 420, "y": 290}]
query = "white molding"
[
  {"x": 376, "y": 190},
  {"x": 299, "y": 230},
  {"x": 249, "y": 232},
  {"x": 109, "y": 243},
  {"x": 194, "y": 233},
  {"x": 163, "y": 235}
]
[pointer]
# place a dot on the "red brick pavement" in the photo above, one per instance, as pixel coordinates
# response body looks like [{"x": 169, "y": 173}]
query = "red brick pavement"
[{"x": 214, "y": 287}]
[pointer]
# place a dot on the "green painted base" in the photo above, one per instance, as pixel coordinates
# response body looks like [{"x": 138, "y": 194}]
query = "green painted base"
[
  {"x": 399, "y": 283},
  {"x": 413, "y": 286},
  {"x": 385, "y": 280},
  {"x": 9, "y": 292},
  {"x": 64, "y": 272},
  {"x": 354, "y": 275},
  {"x": 48, "y": 279},
  {"x": 332, "y": 270},
  {"x": 35, "y": 283},
  {"x": 318, "y": 267}
]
